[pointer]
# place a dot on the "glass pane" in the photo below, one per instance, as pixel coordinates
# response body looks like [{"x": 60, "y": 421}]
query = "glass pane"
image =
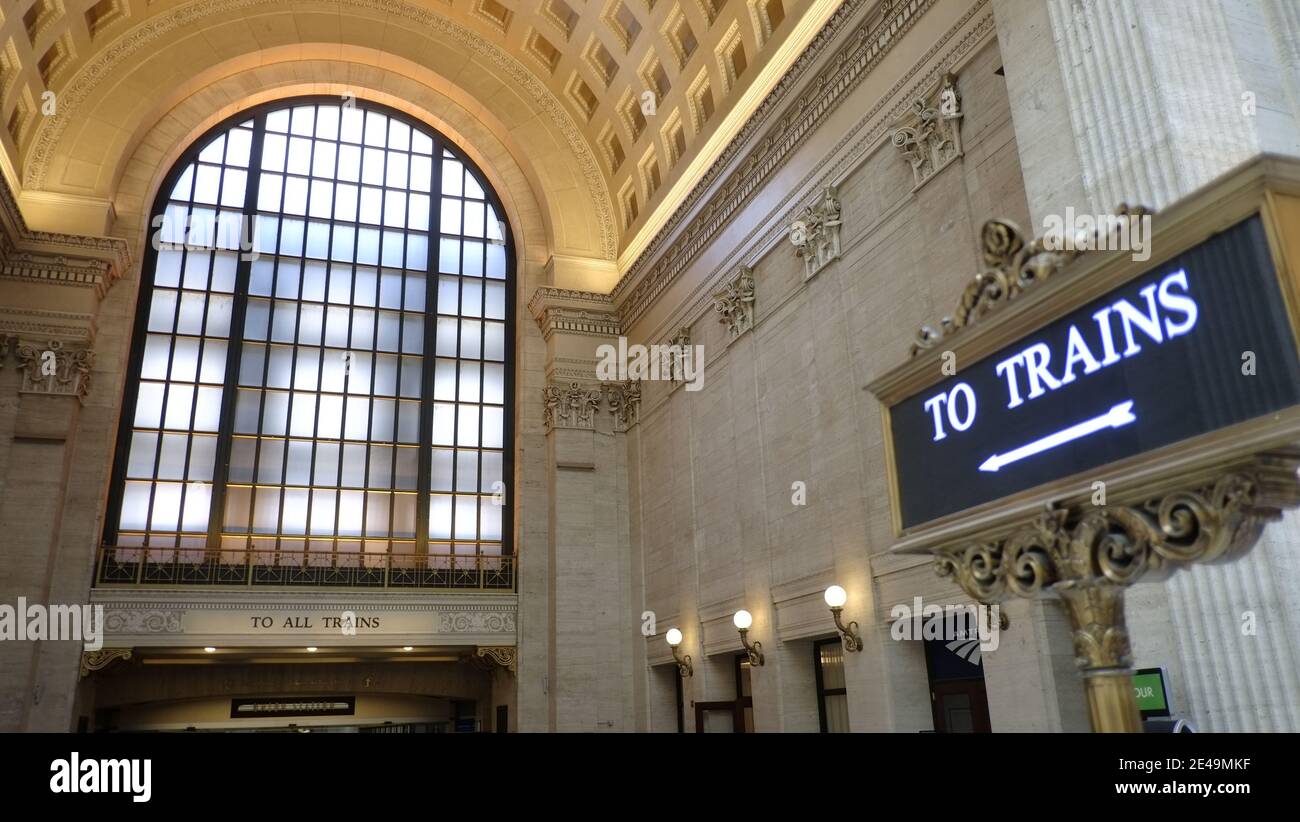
[{"x": 330, "y": 346}]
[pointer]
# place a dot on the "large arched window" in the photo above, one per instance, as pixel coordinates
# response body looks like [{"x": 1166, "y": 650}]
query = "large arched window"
[{"x": 320, "y": 387}]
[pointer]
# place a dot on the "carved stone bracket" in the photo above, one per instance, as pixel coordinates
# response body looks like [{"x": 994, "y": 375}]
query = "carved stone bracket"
[
  {"x": 570, "y": 406},
  {"x": 815, "y": 235},
  {"x": 98, "y": 660},
  {"x": 1012, "y": 263},
  {"x": 930, "y": 136},
  {"x": 1087, "y": 557},
  {"x": 735, "y": 302},
  {"x": 53, "y": 368},
  {"x": 505, "y": 656}
]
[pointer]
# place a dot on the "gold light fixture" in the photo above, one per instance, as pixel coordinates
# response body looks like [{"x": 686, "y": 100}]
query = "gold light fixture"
[
  {"x": 684, "y": 666},
  {"x": 742, "y": 620},
  {"x": 835, "y": 598}
]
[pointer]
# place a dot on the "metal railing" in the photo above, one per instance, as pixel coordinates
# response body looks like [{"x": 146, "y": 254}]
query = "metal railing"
[{"x": 121, "y": 566}]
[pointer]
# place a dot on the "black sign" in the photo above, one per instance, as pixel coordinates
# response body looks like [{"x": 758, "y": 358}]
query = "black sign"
[{"x": 1197, "y": 344}]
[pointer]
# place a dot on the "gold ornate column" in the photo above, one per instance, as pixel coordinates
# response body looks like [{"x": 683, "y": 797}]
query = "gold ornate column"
[{"x": 1087, "y": 556}]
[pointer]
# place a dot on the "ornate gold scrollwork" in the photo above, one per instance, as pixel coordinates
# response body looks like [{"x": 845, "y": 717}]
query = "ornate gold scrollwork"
[
  {"x": 98, "y": 660},
  {"x": 1121, "y": 544},
  {"x": 503, "y": 655},
  {"x": 1086, "y": 557},
  {"x": 1012, "y": 263}
]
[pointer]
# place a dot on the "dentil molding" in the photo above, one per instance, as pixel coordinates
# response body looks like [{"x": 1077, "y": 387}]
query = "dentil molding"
[
  {"x": 57, "y": 259},
  {"x": 789, "y": 120}
]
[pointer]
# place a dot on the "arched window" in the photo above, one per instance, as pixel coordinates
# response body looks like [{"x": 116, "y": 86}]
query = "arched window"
[{"x": 320, "y": 387}]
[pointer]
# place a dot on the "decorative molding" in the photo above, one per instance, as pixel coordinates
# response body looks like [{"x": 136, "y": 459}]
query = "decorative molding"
[
  {"x": 570, "y": 406},
  {"x": 570, "y": 311},
  {"x": 550, "y": 294},
  {"x": 1088, "y": 555},
  {"x": 1012, "y": 264},
  {"x": 142, "y": 620},
  {"x": 574, "y": 404},
  {"x": 815, "y": 235},
  {"x": 53, "y": 369},
  {"x": 624, "y": 401},
  {"x": 413, "y": 18},
  {"x": 60, "y": 259},
  {"x": 570, "y": 369},
  {"x": 40, "y": 324},
  {"x": 974, "y": 30},
  {"x": 476, "y": 622},
  {"x": 504, "y": 655},
  {"x": 661, "y": 263},
  {"x": 930, "y": 136},
  {"x": 735, "y": 302},
  {"x": 101, "y": 659},
  {"x": 578, "y": 321}
]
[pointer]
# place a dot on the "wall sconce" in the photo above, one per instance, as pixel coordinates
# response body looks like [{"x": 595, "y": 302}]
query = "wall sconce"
[
  {"x": 684, "y": 666},
  {"x": 836, "y": 597},
  {"x": 742, "y": 620}
]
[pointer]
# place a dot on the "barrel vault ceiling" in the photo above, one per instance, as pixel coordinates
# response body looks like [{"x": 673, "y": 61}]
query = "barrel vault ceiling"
[{"x": 707, "y": 63}]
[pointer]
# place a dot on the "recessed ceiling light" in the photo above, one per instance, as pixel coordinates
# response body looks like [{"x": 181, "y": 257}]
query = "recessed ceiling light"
[
  {"x": 408, "y": 648},
  {"x": 209, "y": 650},
  {"x": 311, "y": 649}
]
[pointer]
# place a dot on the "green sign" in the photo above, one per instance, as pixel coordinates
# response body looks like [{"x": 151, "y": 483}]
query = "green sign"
[{"x": 1149, "y": 686}]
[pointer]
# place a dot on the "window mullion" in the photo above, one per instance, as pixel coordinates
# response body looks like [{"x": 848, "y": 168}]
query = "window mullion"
[
  {"x": 235, "y": 340},
  {"x": 424, "y": 485}
]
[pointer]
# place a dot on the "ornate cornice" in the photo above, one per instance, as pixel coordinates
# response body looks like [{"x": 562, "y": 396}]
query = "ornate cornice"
[
  {"x": 660, "y": 265},
  {"x": 63, "y": 259},
  {"x": 148, "y": 32},
  {"x": 1012, "y": 263},
  {"x": 549, "y": 294},
  {"x": 866, "y": 136},
  {"x": 27, "y": 323},
  {"x": 578, "y": 321}
]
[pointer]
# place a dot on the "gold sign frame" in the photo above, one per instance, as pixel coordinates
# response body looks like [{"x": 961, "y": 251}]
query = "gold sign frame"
[
  {"x": 1203, "y": 499},
  {"x": 1268, "y": 186}
]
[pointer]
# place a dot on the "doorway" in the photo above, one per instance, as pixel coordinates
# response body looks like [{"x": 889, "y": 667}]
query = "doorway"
[
  {"x": 732, "y": 715},
  {"x": 958, "y": 700}
]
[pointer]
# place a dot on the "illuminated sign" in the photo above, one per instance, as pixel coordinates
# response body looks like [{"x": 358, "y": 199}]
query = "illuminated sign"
[
  {"x": 1198, "y": 343},
  {"x": 1150, "y": 691}
]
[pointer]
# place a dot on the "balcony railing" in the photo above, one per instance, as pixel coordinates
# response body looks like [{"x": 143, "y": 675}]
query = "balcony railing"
[{"x": 145, "y": 567}]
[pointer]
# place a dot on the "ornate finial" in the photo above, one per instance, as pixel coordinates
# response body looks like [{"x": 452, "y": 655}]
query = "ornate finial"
[{"x": 1013, "y": 263}]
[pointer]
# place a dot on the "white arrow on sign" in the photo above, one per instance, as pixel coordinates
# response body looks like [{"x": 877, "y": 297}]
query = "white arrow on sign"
[{"x": 1116, "y": 417}]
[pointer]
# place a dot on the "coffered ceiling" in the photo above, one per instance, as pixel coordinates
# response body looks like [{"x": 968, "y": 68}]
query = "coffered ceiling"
[{"x": 651, "y": 89}]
